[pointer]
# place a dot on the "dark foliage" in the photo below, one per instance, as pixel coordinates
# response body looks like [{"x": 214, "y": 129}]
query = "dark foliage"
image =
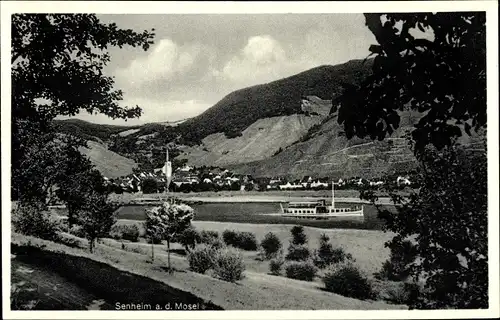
[
  {"x": 207, "y": 236},
  {"x": 448, "y": 219},
  {"x": 349, "y": 282},
  {"x": 298, "y": 235},
  {"x": 242, "y": 240},
  {"x": 189, "y": 238},
  {"x": 201, "y": 259},
  {"x": 31, "y": 219},
  {"x": 275, "y": 266},
  {"x": 271, "y": 245},
  {"x": 422, "y": 75},
  {"x": 397, "y": 267},
  {"x": 297, "y": 253},
  {"x": 303, "y": 270},
  {"x": 149, "y": 185}
]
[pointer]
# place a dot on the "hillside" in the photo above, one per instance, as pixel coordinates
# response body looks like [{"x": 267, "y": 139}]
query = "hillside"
[
  {"x": 241, "y": 108},
  {"x": 261, "y": 140},
  {"x": 110, "y": 164},
  {"x": 88, "y": 130},
  {"x": 325, "y": 151}
]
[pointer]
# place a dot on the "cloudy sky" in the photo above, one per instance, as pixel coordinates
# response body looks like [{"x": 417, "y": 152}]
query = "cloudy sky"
[{"x": 197, "y": 59}]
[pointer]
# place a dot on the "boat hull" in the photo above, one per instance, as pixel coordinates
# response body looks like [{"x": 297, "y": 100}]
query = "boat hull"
[{"x": 353, "y": 215}]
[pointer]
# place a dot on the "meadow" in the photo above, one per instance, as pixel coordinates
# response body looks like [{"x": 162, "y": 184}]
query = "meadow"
[{"x": 124, "y": 266}]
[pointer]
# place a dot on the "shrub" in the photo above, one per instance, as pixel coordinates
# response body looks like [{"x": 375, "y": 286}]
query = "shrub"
[
  {"x": 324, "y": 255},
  {"x": 189, "y": 238},
  {"x": 31, "y": 219},
  {"x": 241, "y": 240},
  {"x": 339, "y": 255},
  {"x": 298, "y": 235},
  {"x": 271, "y": 245},
  {"x": 77, "y": 231},
  {"x": 62, "y": 225},
  {"x": 207, "y": 236},
  {"x": 404, "y": 293},
  {"x": 275, "y": 266},
  {"x": 348, "y": 281},
  {"x": 303, "y": 270},
  {"x": 229, "y": 237},
  {"x": 201, "y": 259},
  {"x": 396, "y": 268},
  {"x": 247, "y": 241},
  {"x": 128, "y": 232},
  {"x": 216, "y": 243},
  {"x": 71, "y": 242},
  {"x": 228, "y": 264},
  {"x": 297, "y": 253}
]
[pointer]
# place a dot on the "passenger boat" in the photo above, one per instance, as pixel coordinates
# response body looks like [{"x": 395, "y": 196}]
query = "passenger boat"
[{"x": 319, "y": 210}]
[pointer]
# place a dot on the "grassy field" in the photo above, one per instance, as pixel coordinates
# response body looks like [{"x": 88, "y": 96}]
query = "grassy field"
[
  {"x": 366, "y": 246},
  {"x": 257, "y": 291}
]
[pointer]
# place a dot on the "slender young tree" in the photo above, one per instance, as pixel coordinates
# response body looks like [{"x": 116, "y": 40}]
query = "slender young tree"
[{"x": 167, "y": 221}]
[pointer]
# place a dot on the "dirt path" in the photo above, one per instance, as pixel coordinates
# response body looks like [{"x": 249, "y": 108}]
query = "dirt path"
[{"x": 37, "y": 288}]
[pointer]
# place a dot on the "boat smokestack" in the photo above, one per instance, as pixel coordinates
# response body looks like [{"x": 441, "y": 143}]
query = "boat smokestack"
[{"x": 333, "y": 195}]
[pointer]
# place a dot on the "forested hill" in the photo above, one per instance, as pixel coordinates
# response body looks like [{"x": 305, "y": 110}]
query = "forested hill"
[
  {"x": 88, "y": 130},
  {"x": 241, "y": 108}
]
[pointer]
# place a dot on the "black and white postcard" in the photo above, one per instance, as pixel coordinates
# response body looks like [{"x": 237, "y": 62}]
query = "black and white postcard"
[{"x": 299, "y": 160}]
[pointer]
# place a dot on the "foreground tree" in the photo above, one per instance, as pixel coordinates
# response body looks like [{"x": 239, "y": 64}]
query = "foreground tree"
[
  {"x": 57, "y": 69},
  {"x": 166, "y": 222},
  {"x": 440, "y": 77},
  {"x": 448, "y": 222},
  {"x": 96, "y": 217},
  {"x": 78, "y": 181}
]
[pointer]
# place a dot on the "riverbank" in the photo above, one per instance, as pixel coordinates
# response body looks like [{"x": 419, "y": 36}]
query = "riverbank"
[{"x": 341, "y": 196}]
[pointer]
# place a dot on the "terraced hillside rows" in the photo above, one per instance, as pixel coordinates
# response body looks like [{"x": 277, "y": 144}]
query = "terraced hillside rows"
[
  {"x": 259, "y": 141},
  {"x": 327, "y": 152}
]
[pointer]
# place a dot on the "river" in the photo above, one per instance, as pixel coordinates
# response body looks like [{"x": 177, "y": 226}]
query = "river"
[{"x": 256, "y": 213}]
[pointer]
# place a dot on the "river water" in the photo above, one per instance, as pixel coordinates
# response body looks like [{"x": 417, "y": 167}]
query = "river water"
[{"x": 256, "y": 213}]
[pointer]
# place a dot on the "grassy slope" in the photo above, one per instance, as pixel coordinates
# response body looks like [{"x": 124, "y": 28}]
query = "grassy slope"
[
  {"x": 366, "y": 246},
  {"x": 259, "y": 141},
  {"x": 109, "y": 163},
  {"x": 253, "y": 293}
]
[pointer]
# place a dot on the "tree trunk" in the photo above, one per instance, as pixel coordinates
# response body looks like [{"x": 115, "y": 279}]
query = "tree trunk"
[
  {"x": 91, "y": 245},
  {"x": 71, "y": 216},
  {"x": 168, "y": 251},
  {"x": 152, "y": 249}
]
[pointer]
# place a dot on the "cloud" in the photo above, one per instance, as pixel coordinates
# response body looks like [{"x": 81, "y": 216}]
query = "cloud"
[
  {"x": 191, "y": 66},
  {"x": 153, "y": 111},
  {"x": 168, "y": 110},
  {"x": 262, "y": 59},
  {"x": 166, "y": 61}
]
